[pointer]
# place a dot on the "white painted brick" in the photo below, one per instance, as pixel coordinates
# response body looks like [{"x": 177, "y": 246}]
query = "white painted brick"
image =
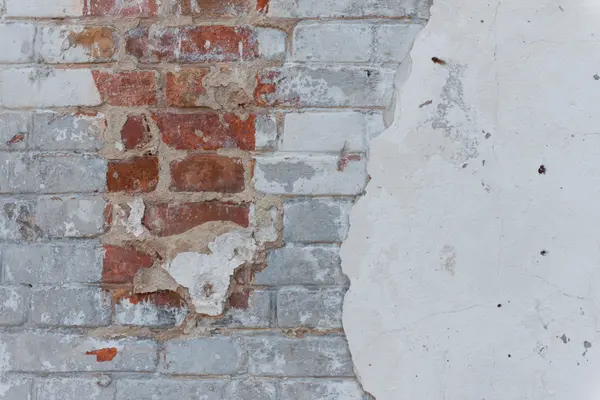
[
  {"x": 53, "y": 131},
  {"x": 15, "y": 388},
  {"x": 44, "y": 8},
  {"x": 271, "y": 43},
  {"x": 394, "y": 41},
  {"x": 36, "y": 87},
  {"x": 71, "y": 307},
  {"x": 320, "y": 309},
  {"x": 70, "y": 216},
  {"x": 14, "y": 302},
  {"x": 16, "y": 43},
  {"x": 320, "y": 389},
  {"x": 55, "y": 44},
  {"x": 329, "y": 131},
  {"x": 266, "y": 132},
  {"x": 348, "y": 8},
  {"x": 72, "y": 389},
  {"x": 312, "y": 174},
  {"x": 220, "y": 355},
  {"x": 346, "y": 86},
  {"x": 333, "y": 41},
  {"x": 316, "y": 220},
  {"x": 13, "y": 125}
]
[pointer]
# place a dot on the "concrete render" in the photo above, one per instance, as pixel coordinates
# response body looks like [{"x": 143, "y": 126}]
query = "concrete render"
[{"x": 474, "y": 254}]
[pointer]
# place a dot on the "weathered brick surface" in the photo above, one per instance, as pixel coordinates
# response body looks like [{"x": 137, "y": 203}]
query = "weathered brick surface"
[{"x": 132, "y": 131}]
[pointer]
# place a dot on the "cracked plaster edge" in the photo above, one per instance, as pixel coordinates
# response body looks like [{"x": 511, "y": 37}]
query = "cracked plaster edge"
[{"x": 392, "y": 116}]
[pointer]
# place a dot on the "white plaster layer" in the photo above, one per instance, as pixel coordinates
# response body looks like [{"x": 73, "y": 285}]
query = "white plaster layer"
[{"x": 474, "y": 271}]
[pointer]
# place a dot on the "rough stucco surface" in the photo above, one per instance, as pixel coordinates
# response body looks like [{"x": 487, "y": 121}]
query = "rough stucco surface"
[{"x": 474, "y": 270}]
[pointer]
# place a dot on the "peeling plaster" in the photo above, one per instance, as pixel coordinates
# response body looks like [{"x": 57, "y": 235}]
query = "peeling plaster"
[{"x": 474, "y": 271}]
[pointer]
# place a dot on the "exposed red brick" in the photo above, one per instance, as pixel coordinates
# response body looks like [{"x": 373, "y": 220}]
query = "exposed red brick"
[
  {"x": 137, "y": 174},
  {"x": 122, "y": 8},
  {"x": 239, "y": 299},
  {"x": 128, "y": 89},
  {"x": 163, "y": 298},
  {"x": 206, "y": 131},
  {"x": 167, "y": 219},
  {"x": 207, "y": 173},
  {"x": 266, "y": 88},
  {"x": 135, "y": 132},
  {"x": 103, "y": 355},
  {"x": 122, "y": 263},
  {"x": 18, "y": 138},
  {"x": 100, "y": 42},
  {"x": 184, "y": 87},
  {"x": 262, "y": 6},
  {"x": 216, "y": 8},
  {"x": 192, "y": 44}
]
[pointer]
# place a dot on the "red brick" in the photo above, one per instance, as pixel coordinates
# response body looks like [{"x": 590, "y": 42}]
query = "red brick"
[
  {"x": 167, "y": 219},
  {"x": 192, "y": 44},
  {"x": 122, "y": 263},
  {"x": 163, "y": 298},
  {"x": 135, "y": 132},
  {"x": 266, "y": 87},
  {"x": 128, "y": 89},
  {"x": 216, "y": 8},
  {"x": 206, "y": 131},
  {"x": 122, "y": 8},
  {"x": 137, "y": 174},
  {"x": 184, "y": 87},
  {"x": 262, "y": 6},
  {"x": 103, "y": 355},
  {"x": 207, "y": 173}
]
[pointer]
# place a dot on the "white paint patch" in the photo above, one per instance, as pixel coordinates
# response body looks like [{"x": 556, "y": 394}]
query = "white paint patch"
[
  {"x": 473, "y": 275},
  {"x": 36, "y": 87},
  {"x": 131, "y": 216},
  {"x": 44, "y": 8}
]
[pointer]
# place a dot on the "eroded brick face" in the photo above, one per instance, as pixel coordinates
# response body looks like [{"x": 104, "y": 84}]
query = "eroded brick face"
[{"x": 134, "y": 133}]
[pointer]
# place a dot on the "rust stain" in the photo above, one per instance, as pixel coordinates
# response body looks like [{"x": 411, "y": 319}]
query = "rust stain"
[
  {"x": 103, "y": 355},
  {"x": 99, "y": 41}
]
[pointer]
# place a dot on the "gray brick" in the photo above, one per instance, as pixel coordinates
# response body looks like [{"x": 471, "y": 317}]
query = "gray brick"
[
  {"x": 348, "y": 8},
  {"x": 322, "y": 390},
  {"x": 348, "y": 86},
  {"x": 257, "y": 315},
  {"x": 13, "y": 388},
  {"x": 16, "y": 42},
  {"x": 333, "y": 41},
  {"x": 45, "y": 173},
  {"x": 303, "y": 265},
  {"x": 11, "y": 125},
  {"x": 309, "y": 356},
  {"x": 14, "y": 303},
  {"x": 216, "y": 356},
  {"x": 74, "y": 216},
  {"x": 310, "y": 174},
  {"x": 52, "y": 263},
  {"x": 316, "y": 220},
  {"x": 52, "y": 131},
  {"x": 54, "y": 352},
  {"x": 394, "y": 41},
  {"x": 71, "y": 307},
  {"x": 17, "y": 220},
  {"x": 72, "y": 389},
  {"x": 266, "y": 132},
  {"x": 164, "y": 389},
  {"x": 147, "y": 313},
  {"x": 320, "y": 309}
]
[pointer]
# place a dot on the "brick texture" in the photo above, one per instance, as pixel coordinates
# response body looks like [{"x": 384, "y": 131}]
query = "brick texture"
[{"x": 136, "y": 131}]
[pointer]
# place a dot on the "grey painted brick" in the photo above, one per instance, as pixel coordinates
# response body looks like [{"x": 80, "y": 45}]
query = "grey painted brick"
[
  {"x": 271, "y": 43},
  {"x": 330, "y": 131},
  {"x": 333, "y": 41},
  {"x": 71, "y": 307},
  {"x": 52, "y": 131},
  {"x": 16, "y": 42},
  {"x": 320, "y": 309},
  {"x": 45, "y": 173},
  {"x": 214, "y": 356},
  {"x": 322, "y": 390},
  {"x": 74, "y": 216},
  {"x": 17, "y": 219},
  {"x": 310, "y": 174},
  {"x": 52, "y": 263},
  {"x": 72, "y": 389},
  {"x": 346, "y": 86},
  {"x": 394, "y": 41},
  {"x": 303, "y": 265},
  {"x": 266, "y": 132},
  {"x": 146, "y": 313},
  {"x": 309, "y": 356},
  {"x": 14, "y": 303},
  {"x": 257, "y": 315},
  {"x": 13, "y": 124},
  {"x": 316, "y": 220},
  {"x": 55, "y": 352},
  {"x": 164, "y": 389},
  {"x": 13, "y": 388},
  {"x": 348, "y": 8}
]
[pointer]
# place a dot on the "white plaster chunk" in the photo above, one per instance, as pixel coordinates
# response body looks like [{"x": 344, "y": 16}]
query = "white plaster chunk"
[
  {"x": 207, "y": 276},
  {"x": 473, "y": 275},
  {"x": 130, "y": 217}
]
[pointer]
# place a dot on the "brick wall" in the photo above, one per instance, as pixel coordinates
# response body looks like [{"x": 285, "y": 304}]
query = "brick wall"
[{"x": 141, "y": 137}]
